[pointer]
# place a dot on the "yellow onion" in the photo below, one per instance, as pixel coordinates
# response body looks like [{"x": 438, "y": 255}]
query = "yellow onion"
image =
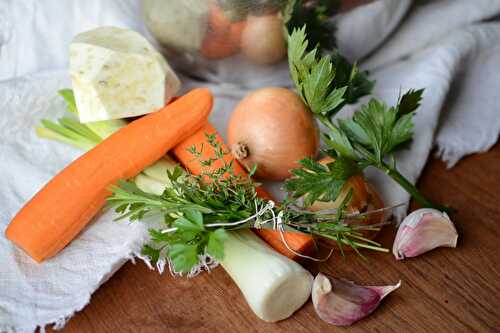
[
  {"x": 272, "y": 129},
  {"x": 263, "y": 40}
]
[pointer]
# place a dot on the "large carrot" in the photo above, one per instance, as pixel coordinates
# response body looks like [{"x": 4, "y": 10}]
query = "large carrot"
[
  {"x": 297, "y": 241},
  {"x": 60, "y": 210}
]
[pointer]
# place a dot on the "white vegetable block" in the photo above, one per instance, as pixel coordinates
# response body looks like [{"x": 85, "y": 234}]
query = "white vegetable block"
[{"x": 117, "y": 73}]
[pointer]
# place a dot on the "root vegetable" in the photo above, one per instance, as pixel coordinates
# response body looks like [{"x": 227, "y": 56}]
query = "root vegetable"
[
  {"x": 263, "y": 41},
  {"x": 272, "y": 129},
  {"x": 116, "y": 73}
]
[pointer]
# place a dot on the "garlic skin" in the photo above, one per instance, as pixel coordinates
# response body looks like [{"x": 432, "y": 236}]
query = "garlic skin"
[
  {"x": 424, "y": 230},
  {"x": 341, "y": 303}
]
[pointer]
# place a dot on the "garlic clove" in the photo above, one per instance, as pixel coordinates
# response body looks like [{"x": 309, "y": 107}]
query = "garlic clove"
[
  {"x": 423, "y": 230},
  {"x": 341, "y": 303}
]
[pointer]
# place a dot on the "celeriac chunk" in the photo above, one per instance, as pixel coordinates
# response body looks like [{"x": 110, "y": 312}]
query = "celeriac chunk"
[{"x": 117, "y": 73}]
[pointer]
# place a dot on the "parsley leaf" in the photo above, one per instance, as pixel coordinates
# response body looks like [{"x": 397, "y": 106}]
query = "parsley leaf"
[
  {"x": 183, "y": 256},
  {"x": 339, "y": 142},
  {"x": 410, "y": 101},
  {"x": 316, "y": 181},
  {"x": 350, "y": 76},
  {"x": 191, "y": 221},
  {"x": 324, "y": 83},
  {"x": 215, "y": 246},
  {"x": 151, "y": 252},
  {"x": 379, "y": 129}
]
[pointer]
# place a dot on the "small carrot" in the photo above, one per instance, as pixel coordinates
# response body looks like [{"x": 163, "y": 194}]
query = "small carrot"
[
  {"x": 298, "y": 242},
  {"x": 236, "y": 33},
  {"x": 60, "y": 210},
  {"x": 223, "y": 37}
]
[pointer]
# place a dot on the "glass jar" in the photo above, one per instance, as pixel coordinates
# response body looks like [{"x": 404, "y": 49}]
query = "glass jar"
[{"x": 200, "y": 37}]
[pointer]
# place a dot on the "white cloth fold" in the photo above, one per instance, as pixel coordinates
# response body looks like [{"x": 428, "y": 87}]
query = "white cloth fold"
[{"x": 440, "y": 45}]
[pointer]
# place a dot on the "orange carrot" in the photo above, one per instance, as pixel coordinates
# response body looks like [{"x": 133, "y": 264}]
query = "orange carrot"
[
  {"x": 223, "y": 37},
  {"x": 60, "y": 210},
  {"x": 235, "y": 34},
  {"x": 297, "y": 241}
]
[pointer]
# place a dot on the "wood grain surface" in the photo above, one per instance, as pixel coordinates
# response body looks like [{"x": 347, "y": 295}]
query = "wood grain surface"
[{"x": 446, "y": 290}]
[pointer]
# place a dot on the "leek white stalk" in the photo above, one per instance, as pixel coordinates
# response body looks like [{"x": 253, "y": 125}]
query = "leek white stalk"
[{"x": 273, "y": 285}]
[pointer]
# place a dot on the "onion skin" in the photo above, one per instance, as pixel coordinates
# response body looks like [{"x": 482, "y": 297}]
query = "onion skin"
[
  {"x": 272, "y": 129},
  {"x": 263, "y": 41}
]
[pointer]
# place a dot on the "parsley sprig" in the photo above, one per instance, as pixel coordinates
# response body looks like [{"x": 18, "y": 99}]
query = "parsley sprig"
[{"x": 370, "y": 138}]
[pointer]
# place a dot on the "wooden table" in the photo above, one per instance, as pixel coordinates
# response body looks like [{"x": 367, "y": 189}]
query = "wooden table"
[{"x": 447, "y": 290}]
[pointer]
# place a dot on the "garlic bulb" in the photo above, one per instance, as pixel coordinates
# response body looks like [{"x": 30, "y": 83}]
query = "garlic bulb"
[
  {"x": 341, "y": 302},
  {"x": 423, "y": 230}
]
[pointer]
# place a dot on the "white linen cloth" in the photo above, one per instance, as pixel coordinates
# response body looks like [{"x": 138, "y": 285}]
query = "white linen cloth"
[{"x": 443, "y": 46}]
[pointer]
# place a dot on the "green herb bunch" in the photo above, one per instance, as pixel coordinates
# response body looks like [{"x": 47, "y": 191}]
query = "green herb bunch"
[
  {"x": 369, "y": 139},
  {"x": 198, "y": 212}
]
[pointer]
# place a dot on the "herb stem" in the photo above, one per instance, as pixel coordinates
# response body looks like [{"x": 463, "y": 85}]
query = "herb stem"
[
  {"x": 326, "y": 121},
  {"x": 409, "y": 187},
  {"x": 352, "y": 243}
]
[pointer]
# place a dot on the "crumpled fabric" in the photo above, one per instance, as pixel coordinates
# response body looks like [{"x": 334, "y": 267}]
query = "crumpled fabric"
[{"x": 449, "y": 47}]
